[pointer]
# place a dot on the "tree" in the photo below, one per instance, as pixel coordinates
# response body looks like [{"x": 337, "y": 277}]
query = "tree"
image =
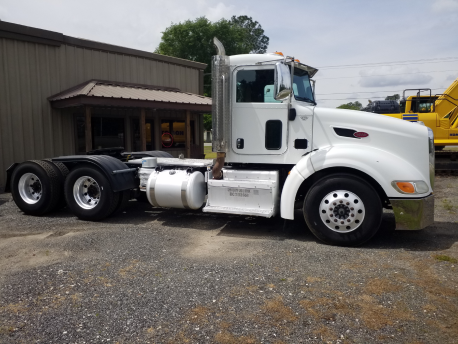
[
  {"x": 207, "y": 121},
  {"x": 393, "y": 97},
  {"x": 193, "y": 40},
  {"x": 351, "y": 106}
]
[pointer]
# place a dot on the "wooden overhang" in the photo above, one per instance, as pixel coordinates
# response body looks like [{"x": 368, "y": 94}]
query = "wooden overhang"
[{"x": 128, "y": 95}]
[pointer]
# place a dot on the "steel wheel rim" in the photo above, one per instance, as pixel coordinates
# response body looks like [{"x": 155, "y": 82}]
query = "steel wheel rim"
[
  {"x": 342, "y": 211},
  {"x": 30, "y": 188},
  {"x": 86, "y": 192}
]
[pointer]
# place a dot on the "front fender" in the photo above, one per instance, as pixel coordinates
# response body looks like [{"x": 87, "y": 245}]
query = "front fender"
[
  {"x": 292, "y": 184},
  {"x": 382, "y": 166}
]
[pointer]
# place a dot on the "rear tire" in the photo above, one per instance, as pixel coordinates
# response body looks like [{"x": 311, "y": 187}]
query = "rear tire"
[
  {"x": 62, "y": 173},
  {"x": 36, "y": 187},
  {"x": 348, "y": 199},
  {"x": 89, "y": 194}
]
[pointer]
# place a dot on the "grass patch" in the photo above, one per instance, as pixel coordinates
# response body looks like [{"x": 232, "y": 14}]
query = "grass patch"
[
  {"x": 208, "y": 153},
  {"x": 278, "y": 310},
  {"x": 449, "y": 206},
  {"x": 444, "y": 258}
]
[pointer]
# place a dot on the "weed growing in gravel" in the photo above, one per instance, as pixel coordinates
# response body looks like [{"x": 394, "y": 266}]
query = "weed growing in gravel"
[
  {"x": 449, "y": 206},
  {"x": 278, "y": 310},
  {"x": 444, "y": 258}
]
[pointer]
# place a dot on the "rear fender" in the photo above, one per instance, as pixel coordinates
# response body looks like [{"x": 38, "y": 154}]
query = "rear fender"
[
  {"x": 9, "y": 173},
  {"x": 106, "y": 164}
]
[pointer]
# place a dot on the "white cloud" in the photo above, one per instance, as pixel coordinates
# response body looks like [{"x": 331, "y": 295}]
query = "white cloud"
[
  {"x": 445, "y": 5},
  {"x": 451, "y": 77},
  {"x": 219, "y": 11},
  {"x": 4, "y": 14},
  {"x": 393, "y": 76}
]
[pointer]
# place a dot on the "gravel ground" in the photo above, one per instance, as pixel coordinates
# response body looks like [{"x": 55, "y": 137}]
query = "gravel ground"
[{"x": 167, "y": 276}]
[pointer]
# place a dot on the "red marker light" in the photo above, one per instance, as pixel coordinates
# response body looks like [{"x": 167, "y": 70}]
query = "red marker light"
[{"x": 360, "y": 134}]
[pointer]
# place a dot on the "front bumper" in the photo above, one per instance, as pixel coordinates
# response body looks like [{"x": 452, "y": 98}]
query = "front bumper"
[{"x": 413, "y": 214}]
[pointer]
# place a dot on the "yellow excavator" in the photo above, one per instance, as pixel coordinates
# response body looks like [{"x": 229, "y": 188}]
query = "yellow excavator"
[{"x": 438, "y": 112}]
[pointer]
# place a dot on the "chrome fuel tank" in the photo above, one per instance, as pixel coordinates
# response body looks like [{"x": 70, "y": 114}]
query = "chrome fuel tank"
[{"x": 176, "y": 189}]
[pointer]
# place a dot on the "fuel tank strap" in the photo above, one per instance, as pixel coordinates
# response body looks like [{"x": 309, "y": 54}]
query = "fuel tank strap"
[
  {"x": 152, "y": 194},
  {"x": 184, "y": 186}
]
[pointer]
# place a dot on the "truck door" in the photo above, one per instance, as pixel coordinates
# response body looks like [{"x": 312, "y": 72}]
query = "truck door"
[{"x": 259, "y": 122}]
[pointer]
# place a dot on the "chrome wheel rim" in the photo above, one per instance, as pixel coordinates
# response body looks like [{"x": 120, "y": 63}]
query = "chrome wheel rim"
[
  {"x": 342, "y": 211},
  {"x": 86, "y": 192},
  {"x": 30, "y": 188}
]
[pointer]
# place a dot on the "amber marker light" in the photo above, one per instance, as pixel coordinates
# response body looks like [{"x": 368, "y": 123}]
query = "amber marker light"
[
  {"x": 296, "y": 60},
  {"x": 406, "y": 187},
  {"x": 279, "y": 53}
]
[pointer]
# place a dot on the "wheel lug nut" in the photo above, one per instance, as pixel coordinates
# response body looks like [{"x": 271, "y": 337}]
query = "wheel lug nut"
[
  {"x": 352, "y": 208},
  {"x": 330, "y": 208},
  {"x": 340, "y": 201},
  {"x": 352, "y": 215},
  {"x": 342, "y": 222},
  {"x": 334, "y": 203},
  {"x": 331, "y": 215},
  {"x": 335, "y": 220},
  {"x": 348, "y": 203},
  {"x": 348, "y": 220}
]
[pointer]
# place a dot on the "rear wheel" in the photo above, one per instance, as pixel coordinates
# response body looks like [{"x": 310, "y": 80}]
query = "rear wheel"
[
  {"x": 62, "y": 173},
  {"x": 343, "y": 210},
  {"x": 35, "y": 187},
  {"x": 89, "y": 194}
]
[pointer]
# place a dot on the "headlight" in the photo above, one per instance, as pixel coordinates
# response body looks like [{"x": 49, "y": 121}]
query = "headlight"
[
  {"x": 431, "y": 157},
  {"x": 410, "y": 187}
]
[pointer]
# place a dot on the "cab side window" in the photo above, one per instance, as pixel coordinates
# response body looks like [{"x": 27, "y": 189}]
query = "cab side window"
[{"x": 255, "y": 86}]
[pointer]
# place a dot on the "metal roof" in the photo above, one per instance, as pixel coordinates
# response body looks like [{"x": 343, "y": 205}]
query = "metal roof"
[
  {"x": 98, "y": 92},
  {"x": 40, "y": 36}
]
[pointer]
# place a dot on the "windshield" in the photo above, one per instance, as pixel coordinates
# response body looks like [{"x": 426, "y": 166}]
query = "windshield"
[{"x": 301, "y": 86}]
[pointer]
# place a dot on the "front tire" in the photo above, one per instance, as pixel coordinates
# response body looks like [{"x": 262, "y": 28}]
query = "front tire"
[
  {"x": 343, "y": 210},
  {"x": 89, "y": 194}
]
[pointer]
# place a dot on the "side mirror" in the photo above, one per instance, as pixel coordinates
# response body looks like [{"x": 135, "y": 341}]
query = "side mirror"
[{"x": 282, "y": 85}]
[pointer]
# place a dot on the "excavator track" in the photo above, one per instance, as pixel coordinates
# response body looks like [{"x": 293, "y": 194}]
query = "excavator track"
[{"x": 446, "y": 163}]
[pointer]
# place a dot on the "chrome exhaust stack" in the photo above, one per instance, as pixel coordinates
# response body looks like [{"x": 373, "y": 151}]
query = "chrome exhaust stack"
[{"x": 220, "y": 107}]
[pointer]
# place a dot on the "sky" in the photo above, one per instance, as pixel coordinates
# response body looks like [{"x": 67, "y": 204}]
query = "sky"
[{"x": 364, "y": 49}]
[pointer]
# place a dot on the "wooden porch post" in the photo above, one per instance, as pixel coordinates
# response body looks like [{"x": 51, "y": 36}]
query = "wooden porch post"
[
  {"x": 88, "y": 129},
  {"x": 188, "y": 134},
  {"x": 142, "y": 129}
]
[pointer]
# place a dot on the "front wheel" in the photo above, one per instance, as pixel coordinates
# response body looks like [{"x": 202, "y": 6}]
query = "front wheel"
[
  {"x": 343, "y": 210},
  {"x": 89, "y": 194}
]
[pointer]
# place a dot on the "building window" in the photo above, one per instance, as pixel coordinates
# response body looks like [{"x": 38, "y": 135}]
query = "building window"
[
  {"x": 106, "y": 132},
  {"x": 149, "y": 135},
  {"x": 174, "y": 134}
]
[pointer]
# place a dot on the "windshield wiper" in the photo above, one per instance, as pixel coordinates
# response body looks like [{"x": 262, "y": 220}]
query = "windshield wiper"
[{"x": 305, "y": 99}]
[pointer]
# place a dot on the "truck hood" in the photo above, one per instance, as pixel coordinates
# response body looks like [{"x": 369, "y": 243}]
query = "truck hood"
[{"x": 407, "y": 140}]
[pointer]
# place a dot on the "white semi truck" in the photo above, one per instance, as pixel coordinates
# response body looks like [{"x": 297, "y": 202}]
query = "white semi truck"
[{"x": 276, "y": 152}]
